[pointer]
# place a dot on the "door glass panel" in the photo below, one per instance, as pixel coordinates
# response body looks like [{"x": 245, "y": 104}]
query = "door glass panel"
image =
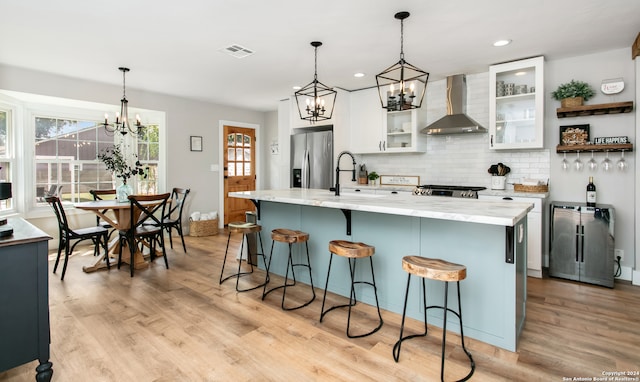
[
  {"x": 231, "y": 138},
  {"x": 239, "y": 169},
  {"x": 231, "y": 155},
  {"x": 232, "y": 170},
  {"x": 238, "y": 154},
  {"x": 247, "y": 169},
  {"x": 247, "y": 141}
]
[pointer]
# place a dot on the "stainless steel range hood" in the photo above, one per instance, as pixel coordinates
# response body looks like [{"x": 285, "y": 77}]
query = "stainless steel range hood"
[{"x": 456, "y": 121}]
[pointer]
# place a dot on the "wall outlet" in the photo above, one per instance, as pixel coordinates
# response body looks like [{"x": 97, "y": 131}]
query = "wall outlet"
[{"x": 618, "y": 252}]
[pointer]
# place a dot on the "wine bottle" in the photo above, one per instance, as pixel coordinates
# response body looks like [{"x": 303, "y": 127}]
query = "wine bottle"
[{"x": 591, "y": 193}]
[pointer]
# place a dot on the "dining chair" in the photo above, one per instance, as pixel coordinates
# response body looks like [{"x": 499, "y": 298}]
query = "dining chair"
[
  {"x": 173, "y": 219},
  {"x": 102, "y": 195},
  {"x": 146, "y": 226},
  {"x": 99, "y": 235}
]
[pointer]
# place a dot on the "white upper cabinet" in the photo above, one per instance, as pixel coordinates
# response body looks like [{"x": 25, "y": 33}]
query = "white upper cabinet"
[
  {"x": 374, "y": 130},
  {"x": 366, "y": 121},
  {"x": 516, "y": 104}
]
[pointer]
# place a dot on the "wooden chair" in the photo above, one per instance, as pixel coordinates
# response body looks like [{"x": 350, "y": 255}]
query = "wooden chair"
[
  {"x": 145, "y": 226},
  {"x": 101, "y": 195},
  {"x": 178, "y": 197},
  {"x": 99, "y": 235}
]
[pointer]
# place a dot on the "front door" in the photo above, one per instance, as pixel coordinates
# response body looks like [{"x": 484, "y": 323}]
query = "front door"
[{"x": 239, "y": 170}]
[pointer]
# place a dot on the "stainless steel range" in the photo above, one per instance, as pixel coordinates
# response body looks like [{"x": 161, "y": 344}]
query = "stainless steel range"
[{"x": 468, "y": 192}]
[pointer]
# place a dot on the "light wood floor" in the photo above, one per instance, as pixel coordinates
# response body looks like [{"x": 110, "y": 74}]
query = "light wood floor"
[{"x": 180, "y": 325}]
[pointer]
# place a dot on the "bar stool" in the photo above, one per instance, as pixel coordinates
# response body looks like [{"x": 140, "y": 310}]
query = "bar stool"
[
  {"x": 284, "y": 235},
  {"x": 352, "y": 251},
  {"x": 245, "y": 229},
  {"x": 440, "y": 270}
]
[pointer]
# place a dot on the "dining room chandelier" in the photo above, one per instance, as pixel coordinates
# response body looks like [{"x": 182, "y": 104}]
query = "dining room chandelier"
[
  {"x": 121, "y": 124},
  {"x": 315, "y": 101},
  {"x": 402, "y": 85}
]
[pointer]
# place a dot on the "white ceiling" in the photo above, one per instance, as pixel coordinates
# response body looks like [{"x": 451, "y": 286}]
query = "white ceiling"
[{"x": 174, "y": 47}]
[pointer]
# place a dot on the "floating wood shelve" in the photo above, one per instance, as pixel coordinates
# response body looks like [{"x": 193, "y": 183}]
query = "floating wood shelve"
[
  {"x": 604, "y": 108},
  {"x": 594, "y": 148}
]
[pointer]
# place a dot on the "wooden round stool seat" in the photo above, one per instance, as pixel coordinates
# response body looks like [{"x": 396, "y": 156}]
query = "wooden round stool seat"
[
  {"x": 350, "y": 249},
  {"x": 435, "y": 269},
  {"x": 244, "y": 227},
  {"x": 290, "y": 237},
  {"x": 284, "y": 235}
]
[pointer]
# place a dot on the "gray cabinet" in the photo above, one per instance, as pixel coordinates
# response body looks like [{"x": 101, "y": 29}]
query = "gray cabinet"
[{"x": 24, "y": 299}]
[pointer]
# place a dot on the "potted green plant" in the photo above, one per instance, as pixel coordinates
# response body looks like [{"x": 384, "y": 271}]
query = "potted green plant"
[
  {"x": 372, "y": 177},
  {"x": 115, "y": 161},
  {"x": 573, "y": 93}
]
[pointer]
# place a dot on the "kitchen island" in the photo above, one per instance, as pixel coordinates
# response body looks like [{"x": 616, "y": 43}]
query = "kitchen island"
[{"x": 488, "y": 237}]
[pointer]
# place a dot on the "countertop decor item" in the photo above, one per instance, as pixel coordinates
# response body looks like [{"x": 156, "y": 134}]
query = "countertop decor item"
[
  {"x": 316, "y": 100},
  {"x": 402, "y": 86},
  {"x": 114, "y": 159},
  {"x": 121, "y": 125},
  {"x": 573, "y": 93},
  {"x": 373, "y": 176},
  {"x": 499, "y": 169}
]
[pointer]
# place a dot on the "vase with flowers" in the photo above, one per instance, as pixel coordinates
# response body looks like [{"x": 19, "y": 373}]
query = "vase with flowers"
[{"x": 115, "y": 161}]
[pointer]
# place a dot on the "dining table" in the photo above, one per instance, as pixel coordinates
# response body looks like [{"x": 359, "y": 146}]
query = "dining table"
[{"x": 118, "y": 215}]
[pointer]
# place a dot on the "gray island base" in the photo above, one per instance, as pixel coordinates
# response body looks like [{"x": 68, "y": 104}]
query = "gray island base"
[{"x": 488, "y": 237}]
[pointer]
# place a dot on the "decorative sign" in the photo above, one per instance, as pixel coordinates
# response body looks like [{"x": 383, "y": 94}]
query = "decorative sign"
[
  {"x": 574, "y": 135},
  {"x": 612, "y": 86},
  {"x": 610, "y": 140},
  {"x": 399, "y": 180}
]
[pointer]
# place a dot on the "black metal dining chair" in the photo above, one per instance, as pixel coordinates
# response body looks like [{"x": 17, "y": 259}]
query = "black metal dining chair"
[
  {"x": 102, "y": 195},
  {"x": 99, "y": 235},
  {"x": 173, "y": 219},
  {"x": 146, "y": 226}
]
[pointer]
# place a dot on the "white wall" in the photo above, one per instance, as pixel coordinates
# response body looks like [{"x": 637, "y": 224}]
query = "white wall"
[
  {"x": 615, "y": 188},
  {"x": 185, "y": 117}
]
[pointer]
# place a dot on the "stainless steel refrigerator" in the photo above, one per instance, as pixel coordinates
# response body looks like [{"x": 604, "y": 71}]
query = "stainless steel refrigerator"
[
  {"x": 312, "y": 158},
  {"x": 582, "y": 243}
]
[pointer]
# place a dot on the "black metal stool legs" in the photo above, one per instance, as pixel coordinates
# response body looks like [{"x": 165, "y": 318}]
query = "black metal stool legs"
[
  {"x": 292, "y": 265},
  {"x": 352, "y": 297},
  {"x": 239, "y": 273},
  {"x": 396, "y": 347},
  {"x": 445, "y": 308}
]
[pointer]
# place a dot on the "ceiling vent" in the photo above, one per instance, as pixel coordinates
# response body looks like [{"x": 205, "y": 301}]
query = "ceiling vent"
[{"x": 237, "y": 51}]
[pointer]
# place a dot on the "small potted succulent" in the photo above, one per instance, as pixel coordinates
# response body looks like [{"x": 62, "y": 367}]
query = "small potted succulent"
[
  {"x": 573, "y": 93},
  {"x": 372, "y": 177}
]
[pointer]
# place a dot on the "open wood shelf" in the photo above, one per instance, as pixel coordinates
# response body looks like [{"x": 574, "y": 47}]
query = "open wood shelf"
[
  {"x": 594, "y": 148},
  {"x": 603, "y": 108}
]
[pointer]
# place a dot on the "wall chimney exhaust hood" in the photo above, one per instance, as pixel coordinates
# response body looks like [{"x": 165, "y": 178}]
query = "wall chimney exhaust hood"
[{"x": 456, "y": 121}]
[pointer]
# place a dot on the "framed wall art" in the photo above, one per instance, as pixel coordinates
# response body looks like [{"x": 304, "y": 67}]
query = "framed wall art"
[
  {"x": 196, "y": 143},
  {"x": 574, "y": 135}
]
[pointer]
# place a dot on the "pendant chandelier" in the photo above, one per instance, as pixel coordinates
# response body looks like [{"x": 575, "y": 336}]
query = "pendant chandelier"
[
  {"x": 316, "y": 100},
  {"x": 121, "y": 125},
  {"x": 402, "y": 85}
]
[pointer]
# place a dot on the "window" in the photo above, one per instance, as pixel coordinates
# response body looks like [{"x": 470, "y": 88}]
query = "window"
[
  {"x": 59, "y": 140},
  {"x": 5, "y": 152},
  {"x": 65, "y": 154},
  {"x": 149, "y": 156}
]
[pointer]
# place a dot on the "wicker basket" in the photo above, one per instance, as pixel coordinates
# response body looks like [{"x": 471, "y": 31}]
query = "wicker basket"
[
  {"x": 525, "y": 188},
  {"x": 203, "y": 227},
  {"x": 571, "y": 102}
]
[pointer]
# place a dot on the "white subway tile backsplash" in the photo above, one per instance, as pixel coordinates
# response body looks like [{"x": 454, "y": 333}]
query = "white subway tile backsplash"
[{"x": 461, "y": 159}]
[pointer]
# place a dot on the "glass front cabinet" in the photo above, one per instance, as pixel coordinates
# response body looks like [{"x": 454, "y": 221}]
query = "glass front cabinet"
[{"x": 516, "y": 104}]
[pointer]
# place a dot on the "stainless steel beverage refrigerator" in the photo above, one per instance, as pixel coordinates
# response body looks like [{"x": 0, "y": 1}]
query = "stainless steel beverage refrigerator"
[
  {"x": 312, "y": 157},
  {"x": 582, "y": 243}
]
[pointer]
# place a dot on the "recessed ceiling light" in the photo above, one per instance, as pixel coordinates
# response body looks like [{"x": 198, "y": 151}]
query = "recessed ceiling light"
[
  {"x": 297, "y": 87},
  {"x": 502, "y": 42},
  {"x": 358, "y": 75},
  {"x": 520, "y": 73}
]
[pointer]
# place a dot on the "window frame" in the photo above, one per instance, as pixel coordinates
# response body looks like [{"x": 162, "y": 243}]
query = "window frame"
[{"x": 26, "y": 107}]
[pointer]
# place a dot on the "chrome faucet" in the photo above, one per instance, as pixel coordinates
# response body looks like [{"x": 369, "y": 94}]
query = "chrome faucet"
[{"x": 353, "y": 178}]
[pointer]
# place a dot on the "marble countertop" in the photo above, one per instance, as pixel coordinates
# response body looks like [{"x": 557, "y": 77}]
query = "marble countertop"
[{"x": 434, "y": 207}]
